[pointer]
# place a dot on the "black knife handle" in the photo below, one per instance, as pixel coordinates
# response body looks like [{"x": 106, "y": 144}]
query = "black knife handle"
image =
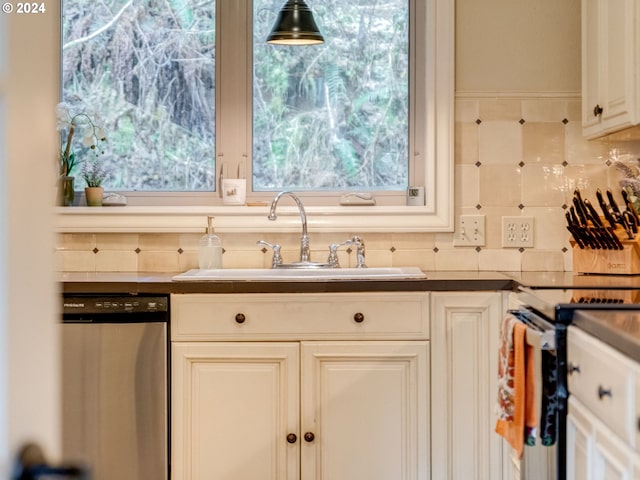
[
  {"x": 576, "y": 237},
  {"x": 593, "y": 214},
  {"x": 612, "y": 202},
  {"x": 615, "y": 238},
  {"x": 581, "y": 215}
]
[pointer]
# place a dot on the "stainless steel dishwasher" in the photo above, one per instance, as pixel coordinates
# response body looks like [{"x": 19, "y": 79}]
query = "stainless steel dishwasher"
[{"x": 115, "y": 385}]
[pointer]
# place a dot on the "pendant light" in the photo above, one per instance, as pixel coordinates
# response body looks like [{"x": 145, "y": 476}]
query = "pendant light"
[{"x": 295, "y": 26}]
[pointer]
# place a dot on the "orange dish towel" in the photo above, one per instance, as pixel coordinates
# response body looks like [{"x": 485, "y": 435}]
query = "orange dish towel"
[{"x": 516, "y": 385}]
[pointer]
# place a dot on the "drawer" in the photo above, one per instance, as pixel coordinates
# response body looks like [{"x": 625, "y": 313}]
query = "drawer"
[
  {"x": 303, "y": 316},
  {"x": 602, "y": 379}
]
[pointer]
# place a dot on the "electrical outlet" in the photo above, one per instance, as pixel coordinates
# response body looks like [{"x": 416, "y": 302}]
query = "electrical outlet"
[
  {"x": 517, "y": 232},
  {"x": 469, "y": 231}
]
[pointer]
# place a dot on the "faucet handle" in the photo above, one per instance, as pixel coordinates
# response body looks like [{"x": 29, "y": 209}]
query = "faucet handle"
[
  {"x": 360, "y": 252},
  {"x": 333, "y": 253},
  {"x": 276, "y": 261}
]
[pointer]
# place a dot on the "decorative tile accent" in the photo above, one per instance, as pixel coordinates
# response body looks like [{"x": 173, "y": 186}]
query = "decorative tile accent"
[
  {"x": 565, "y": 121},
  {"x": 478, "y": 121},
  {"x": 521, "y": 121},
  {"x": 393, "y": 249},
  {"x": 478, "y": 163},
  {"x": 95, "y": 250},
  {"x": 180, "y": 251},
  {"x": 137, "y": 250}
]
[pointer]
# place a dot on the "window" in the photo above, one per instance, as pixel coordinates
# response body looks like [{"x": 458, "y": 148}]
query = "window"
[
  {"x": 146, "y": 70},
  {"x": 333, "y": 117},
  {"x": 191, "y": 79}
]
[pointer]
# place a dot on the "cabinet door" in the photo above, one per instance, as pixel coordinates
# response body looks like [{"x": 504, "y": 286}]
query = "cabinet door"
[
  {"x": 579, "y": 441},
  {"x": 464, "y": 336},
  {"x": 367, "y": 406},
  {"x": 609, "y": 65},
  {"x": 233, "y": 406},
  {"x": 591, "y": 66}
]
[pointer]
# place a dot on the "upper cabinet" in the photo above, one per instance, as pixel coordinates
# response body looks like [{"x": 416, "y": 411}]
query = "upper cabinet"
[{"x": 610, "y": 66}]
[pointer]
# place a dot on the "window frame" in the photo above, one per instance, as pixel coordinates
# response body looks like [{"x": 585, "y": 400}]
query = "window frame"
[{"x": 431, "y": 136}]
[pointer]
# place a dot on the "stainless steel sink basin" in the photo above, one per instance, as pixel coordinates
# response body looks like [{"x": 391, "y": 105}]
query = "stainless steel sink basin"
[{"x": 300, "y": 274}]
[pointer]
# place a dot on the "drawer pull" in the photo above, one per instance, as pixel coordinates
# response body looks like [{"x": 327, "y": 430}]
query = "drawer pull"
[
  {"x": 292, "y": 438},
  {"x": 573, "y": 368},
  {"x": 597, "y": 111},
  {"x": 309, "y": 437},
  {"x": 240, "y": 318},
  {"x": 358, "y": 317},
  {"x": 603, "y": 392}
]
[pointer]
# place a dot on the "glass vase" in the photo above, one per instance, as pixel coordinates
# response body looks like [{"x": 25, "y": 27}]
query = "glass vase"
[{"x": 66, "y": 194}]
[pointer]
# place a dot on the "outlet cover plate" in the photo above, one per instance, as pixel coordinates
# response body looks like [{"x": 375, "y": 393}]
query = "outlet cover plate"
[
  {"x": 470, "y": 231},
  {"x": 517, "y": 232}
]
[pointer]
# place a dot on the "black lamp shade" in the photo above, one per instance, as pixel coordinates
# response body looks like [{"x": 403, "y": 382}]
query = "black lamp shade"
[{"x": 295, "y": 26}]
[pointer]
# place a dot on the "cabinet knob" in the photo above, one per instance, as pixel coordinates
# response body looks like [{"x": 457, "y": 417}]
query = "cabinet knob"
[
  {"x": 240, "y": 318},
  {"x": 309, "y": 437},
  {"x": 292, "y": 438},
  {"x": 573, "y": 368},
  {"x": 358, "y": 317},
  {"x": 597, "y": 111},
  {"x": 603, "y": 392}
]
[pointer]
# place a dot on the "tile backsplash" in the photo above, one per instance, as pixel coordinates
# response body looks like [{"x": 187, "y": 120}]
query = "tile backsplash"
[{"x": 513, "y": 156}]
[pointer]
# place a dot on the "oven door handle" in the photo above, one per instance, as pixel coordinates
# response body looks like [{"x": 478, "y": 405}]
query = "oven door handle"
[{"x": 541, "y": 334}]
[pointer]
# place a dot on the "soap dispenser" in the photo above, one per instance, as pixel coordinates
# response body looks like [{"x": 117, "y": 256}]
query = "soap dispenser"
[{"x": 210, "y": 249}]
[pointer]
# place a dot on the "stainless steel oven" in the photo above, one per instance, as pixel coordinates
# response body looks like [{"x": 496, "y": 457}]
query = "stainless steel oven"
[{"x": 547, "y": 313}]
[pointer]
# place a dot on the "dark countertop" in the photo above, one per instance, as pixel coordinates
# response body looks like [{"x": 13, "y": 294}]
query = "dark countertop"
[
  {"x": 140, "y": 282},
  {"x": 147, "y": 282},
  {"x": 617, "y": 328}
]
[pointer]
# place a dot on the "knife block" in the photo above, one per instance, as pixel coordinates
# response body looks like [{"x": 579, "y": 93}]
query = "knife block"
[{"x": 609, "y": 262}]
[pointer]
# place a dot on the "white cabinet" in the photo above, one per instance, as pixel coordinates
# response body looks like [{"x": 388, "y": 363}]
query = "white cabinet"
[
  {"x": 610, "y": 66},
  {"x": 300, "y": 404},
  {"x": 233, "y": 406},
  {"x": 602, "y": 417},
  {"x": 464, "y": 342}
]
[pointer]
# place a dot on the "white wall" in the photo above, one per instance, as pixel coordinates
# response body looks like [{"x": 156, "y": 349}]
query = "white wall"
[
  {"x": 518, "y": 46},
  {"x": 29, "y": 387}
]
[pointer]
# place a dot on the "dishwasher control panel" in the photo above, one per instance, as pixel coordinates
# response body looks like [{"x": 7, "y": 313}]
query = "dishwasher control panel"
[{"x": 78, "y": 304}]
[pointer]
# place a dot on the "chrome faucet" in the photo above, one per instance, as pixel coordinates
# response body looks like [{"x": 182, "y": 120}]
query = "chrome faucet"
[{"x": 304, "y": 239}]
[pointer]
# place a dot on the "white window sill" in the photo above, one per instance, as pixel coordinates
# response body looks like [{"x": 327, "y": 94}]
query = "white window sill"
[{"x": 132, "y": 219}]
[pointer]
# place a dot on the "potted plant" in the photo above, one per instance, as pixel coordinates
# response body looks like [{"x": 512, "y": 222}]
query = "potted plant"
[
  {"x": 92, "y": 135},
  {"x": 94, "y": 174}
]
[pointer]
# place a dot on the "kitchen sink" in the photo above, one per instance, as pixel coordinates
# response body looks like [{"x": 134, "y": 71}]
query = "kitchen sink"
[{"x": 301, "y": 274}]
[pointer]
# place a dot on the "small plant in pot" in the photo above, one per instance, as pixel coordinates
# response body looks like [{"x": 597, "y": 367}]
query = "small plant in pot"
[
  {"x": 94, "y": 174},
  {"x": 72, "y": 123}
]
